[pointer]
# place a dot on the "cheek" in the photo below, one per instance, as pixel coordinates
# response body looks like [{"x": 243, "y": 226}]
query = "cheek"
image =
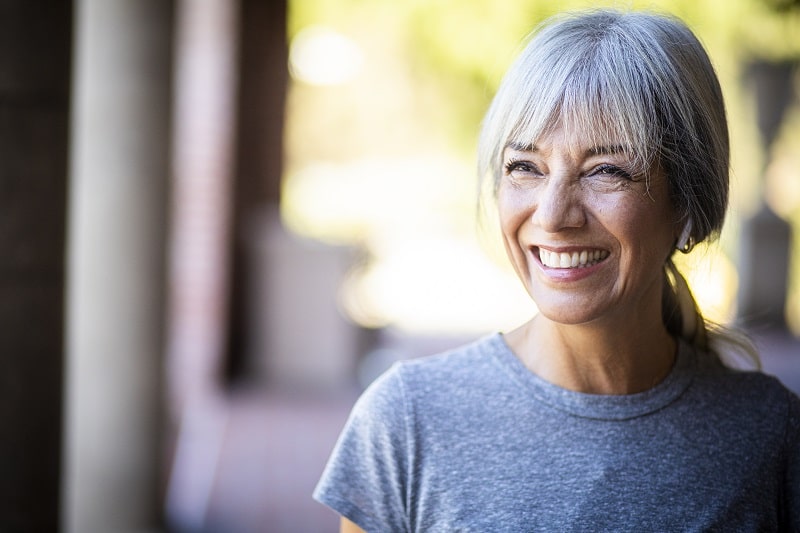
[
  {"x": 513, "y": 208},
  {"x": 513, "y": 211},
  {"x": 645, "y": 231}
]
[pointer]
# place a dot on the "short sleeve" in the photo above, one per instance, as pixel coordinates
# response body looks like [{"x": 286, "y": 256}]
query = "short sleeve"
[
  {"x": 365, "y": 479},
  {"x": 791, "y": 491}
]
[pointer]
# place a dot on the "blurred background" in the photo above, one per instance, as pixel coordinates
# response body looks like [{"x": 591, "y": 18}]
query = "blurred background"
[{"x": 222, "y": 219}]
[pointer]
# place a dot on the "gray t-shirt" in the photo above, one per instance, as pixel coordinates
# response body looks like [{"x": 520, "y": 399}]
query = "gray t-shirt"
[{"x": 471, "y": 440}]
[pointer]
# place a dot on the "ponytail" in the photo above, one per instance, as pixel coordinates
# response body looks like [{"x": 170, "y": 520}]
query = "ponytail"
[{"x": 683, "y": 320}]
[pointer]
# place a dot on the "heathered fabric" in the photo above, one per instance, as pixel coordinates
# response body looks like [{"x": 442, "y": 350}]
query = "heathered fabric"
[{"x": 471, "y": 440}]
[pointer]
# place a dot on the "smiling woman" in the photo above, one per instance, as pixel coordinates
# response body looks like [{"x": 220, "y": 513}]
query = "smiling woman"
[
  {"x": 560, "y": 201},
  {"x": 607, "y": 147}
]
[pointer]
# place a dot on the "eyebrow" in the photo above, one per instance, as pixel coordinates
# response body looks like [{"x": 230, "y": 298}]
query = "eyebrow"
[
  {"x": 605, "y": 150},
  {"x": 595, "y": 150},
  {"x": 519, "y": 147}
]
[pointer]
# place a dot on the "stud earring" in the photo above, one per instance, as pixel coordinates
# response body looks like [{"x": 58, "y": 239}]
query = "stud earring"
[{"x": 685, "y": 243}]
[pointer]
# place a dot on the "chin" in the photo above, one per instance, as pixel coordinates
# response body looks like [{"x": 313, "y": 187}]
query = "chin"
[
  {"x": 566, "y": 317},
  {"x": 568, "y": 311}
]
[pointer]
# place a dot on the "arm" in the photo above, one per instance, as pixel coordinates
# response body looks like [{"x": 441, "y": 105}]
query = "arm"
[{"x": 346, "y": 526}]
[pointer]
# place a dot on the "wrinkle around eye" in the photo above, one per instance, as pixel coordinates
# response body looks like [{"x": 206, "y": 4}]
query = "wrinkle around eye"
[
  {"x": 611, "y": 183},
  {"x": 609, "y": 186}
]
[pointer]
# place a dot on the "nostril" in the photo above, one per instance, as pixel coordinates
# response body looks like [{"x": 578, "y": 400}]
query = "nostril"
[{"x": 558, "y": 206}]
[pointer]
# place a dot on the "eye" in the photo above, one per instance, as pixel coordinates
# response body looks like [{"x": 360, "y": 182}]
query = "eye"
[
  {"x": 613, "y": 171},
  {"x": 515, "y": 166}
]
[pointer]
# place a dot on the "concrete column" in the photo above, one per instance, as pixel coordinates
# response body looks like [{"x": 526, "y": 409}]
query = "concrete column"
[
  {"x": 35, "y": 44},
  {"x": 766, "y": 238},
  {"x": 120, "y": 169}
]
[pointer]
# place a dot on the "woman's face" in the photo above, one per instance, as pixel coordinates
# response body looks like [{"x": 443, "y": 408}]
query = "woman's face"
[{"x": 587, "y": 238}]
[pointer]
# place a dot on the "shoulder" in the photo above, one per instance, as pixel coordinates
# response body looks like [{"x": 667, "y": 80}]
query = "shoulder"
[
  {"x": 748, "y": 397},
  {"x": 447, "y": 380},
  {"x": 746, "y": 384},
  {"x": 472, "y": 367}
]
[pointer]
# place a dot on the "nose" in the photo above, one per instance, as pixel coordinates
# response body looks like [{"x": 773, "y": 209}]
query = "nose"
[{"x": 558, "y": 206}]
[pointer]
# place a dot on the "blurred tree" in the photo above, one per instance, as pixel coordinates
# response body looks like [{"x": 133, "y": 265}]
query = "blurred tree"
[{"x": 782, "y": 6}]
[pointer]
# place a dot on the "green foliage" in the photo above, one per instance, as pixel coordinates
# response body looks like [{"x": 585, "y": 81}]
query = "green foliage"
[{"x": 455, "y": 52}]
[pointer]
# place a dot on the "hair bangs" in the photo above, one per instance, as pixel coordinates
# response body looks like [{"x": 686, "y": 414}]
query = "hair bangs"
[
  {"x": 599, "y": 109},
  {"x": 597, "y": 97}
]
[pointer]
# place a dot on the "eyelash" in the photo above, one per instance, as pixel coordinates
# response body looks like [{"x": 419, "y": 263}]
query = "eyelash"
[{"x": 515, "y": 164}]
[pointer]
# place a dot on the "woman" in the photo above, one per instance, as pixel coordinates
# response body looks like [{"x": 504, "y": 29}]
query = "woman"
[{"x": 613, "y": 408}]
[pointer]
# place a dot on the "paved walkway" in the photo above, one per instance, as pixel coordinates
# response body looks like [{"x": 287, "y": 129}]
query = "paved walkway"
[
  {"x": 275, "y": 449},
  {"x": 276, "y": 444}
]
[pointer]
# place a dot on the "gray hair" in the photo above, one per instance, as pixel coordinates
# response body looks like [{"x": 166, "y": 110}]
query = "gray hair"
[
  {"x": 641, "y": 79},
  {"x": 644, "y": 81}
]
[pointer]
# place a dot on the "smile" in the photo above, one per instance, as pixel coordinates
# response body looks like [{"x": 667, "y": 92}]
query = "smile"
[{"x": 576, "y": 259}]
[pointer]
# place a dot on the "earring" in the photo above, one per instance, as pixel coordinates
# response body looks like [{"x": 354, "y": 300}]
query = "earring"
[{"x": 685, "y": 243}]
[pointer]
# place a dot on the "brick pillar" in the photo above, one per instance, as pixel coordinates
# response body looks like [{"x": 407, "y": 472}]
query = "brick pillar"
[
  {"x": 765, "y": 240},
  {"x": 205, "y": 55}
]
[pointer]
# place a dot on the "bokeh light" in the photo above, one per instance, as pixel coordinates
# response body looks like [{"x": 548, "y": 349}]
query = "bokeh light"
[{"x": 321, "y": 56}]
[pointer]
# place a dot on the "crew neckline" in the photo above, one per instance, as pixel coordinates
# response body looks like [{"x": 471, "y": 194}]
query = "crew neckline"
[{"x": 599, "y": 406}]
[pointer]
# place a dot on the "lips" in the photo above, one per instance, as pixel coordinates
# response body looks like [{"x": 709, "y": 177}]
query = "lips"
[{"x": 572, "y": 259}]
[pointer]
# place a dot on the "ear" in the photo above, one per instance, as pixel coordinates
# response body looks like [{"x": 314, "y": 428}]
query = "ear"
[{"x": 684, "y": 243}]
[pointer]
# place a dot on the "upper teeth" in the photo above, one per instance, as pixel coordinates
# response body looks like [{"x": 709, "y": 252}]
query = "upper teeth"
[{"x": 571, "y": 260}]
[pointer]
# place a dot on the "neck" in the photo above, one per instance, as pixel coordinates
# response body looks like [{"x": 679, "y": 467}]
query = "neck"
[{"x": 597, "y": 359}]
